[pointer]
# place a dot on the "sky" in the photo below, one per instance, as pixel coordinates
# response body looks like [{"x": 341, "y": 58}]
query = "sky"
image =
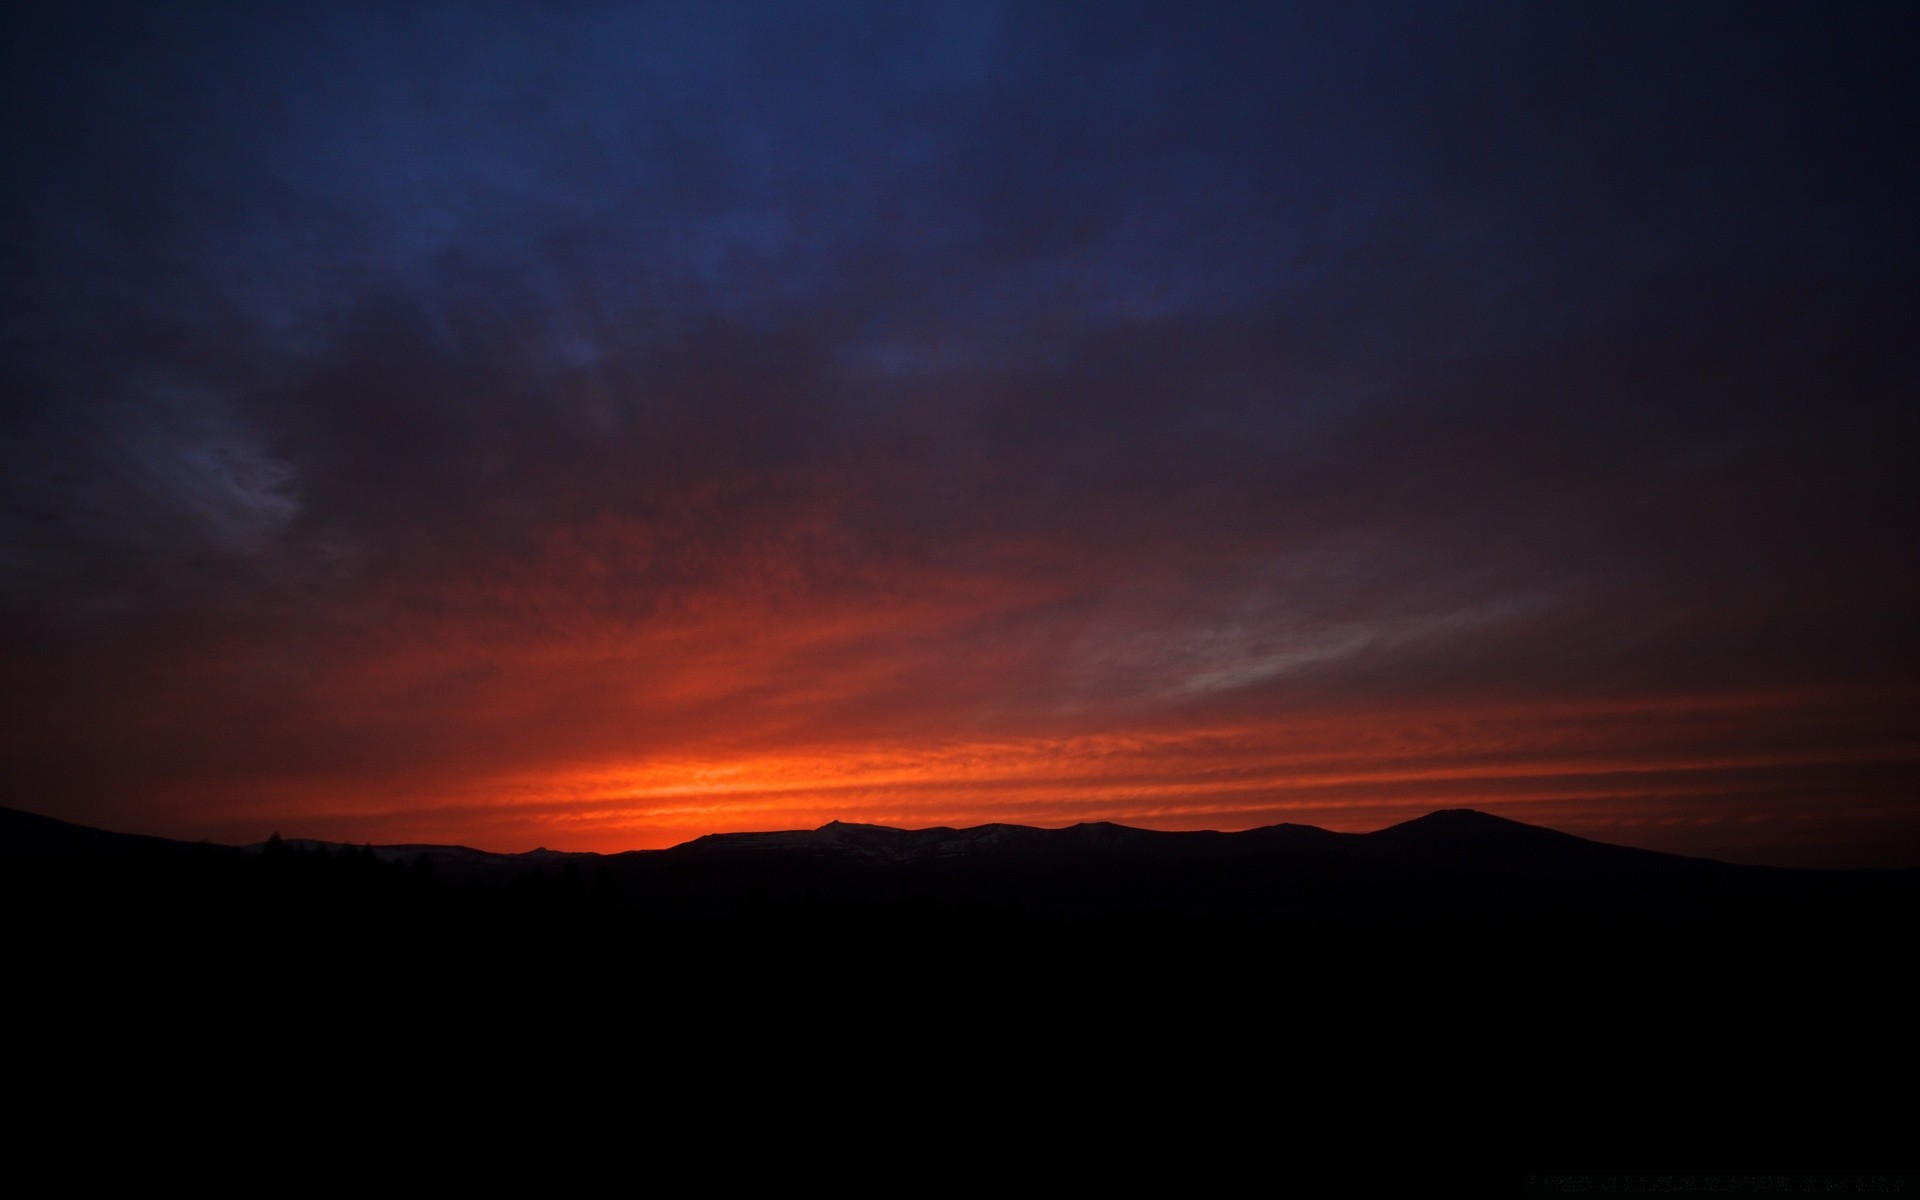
[{"x": 594, "y": 426}]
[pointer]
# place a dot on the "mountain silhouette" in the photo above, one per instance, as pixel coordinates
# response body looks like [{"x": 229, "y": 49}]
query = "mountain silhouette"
[
  {"x": 1250, "y": 975},
  {"x": 1454, "y": 867}
]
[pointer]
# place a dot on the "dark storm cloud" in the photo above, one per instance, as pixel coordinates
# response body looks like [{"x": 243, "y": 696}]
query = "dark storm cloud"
[{"x": 1140, "y": 361}]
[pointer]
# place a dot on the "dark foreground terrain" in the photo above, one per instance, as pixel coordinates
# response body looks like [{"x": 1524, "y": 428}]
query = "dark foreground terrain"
[{"x": 1460, "y": 989}]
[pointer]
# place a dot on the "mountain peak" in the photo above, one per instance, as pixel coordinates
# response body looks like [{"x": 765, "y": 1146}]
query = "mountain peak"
[
  {"x": 1456, "y": 821},
  {"x": 1465, "y": 835},
  {"x": 1457, "y": 816}
]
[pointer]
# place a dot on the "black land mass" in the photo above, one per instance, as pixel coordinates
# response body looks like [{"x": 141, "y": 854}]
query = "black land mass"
[
  {"x": 1584, "y": 991},
  {"x": 1455, "y": 872}
]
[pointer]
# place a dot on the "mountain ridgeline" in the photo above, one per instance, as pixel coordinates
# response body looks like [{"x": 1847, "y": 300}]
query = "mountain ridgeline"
[
  {"x": 1103, "y": 969},
  {"x": 1460, "y": 871}
]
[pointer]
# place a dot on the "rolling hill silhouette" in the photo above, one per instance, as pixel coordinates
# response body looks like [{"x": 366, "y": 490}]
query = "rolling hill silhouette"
[
  {"x": 1456, "y": 867},
  {"x": 1232, "y": 981}
]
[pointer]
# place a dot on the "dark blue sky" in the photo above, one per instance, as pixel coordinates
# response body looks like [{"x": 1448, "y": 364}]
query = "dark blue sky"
[{"x": 500, "y": 423}]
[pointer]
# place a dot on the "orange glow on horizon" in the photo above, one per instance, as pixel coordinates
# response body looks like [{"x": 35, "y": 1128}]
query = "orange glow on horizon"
[{"x": 1605, "y": 769}]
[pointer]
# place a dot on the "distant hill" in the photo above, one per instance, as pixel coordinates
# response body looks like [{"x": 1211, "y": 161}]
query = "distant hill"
[
  {"x": 1456, "y": 868},
  {"x": 1595, "y": 997}
]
